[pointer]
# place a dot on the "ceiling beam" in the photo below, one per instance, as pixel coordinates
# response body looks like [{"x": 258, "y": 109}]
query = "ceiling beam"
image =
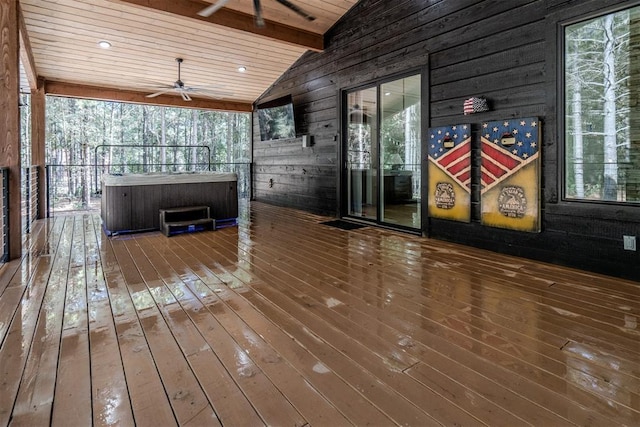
[
  {"x": 237, "y": 20},
  {"x": 73, "y": 90},
  {"x": 26, "y": 54}
]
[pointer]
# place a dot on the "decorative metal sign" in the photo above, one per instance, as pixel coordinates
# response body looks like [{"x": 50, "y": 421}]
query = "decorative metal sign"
[
  {"x": 449, "y": 149},
  {"x": 510, "y": 174},
  {"x": 512, "y": 202},
  {"x": 445, "y": 197}
]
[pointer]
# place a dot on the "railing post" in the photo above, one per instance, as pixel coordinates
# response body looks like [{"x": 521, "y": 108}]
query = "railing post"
[
  {"x": 48, "y": 179},
  {"x": 36, "y": 205},
  {"x": 27, "y": 201},
  {"x": 5, "y": 214}
]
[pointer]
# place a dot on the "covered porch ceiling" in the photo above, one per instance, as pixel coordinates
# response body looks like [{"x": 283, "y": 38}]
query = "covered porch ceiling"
[{"x": 147, "y": 36}]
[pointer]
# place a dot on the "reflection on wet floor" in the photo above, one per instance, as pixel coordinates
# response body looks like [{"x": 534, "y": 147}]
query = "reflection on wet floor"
[{"x": 284, "y": 321}]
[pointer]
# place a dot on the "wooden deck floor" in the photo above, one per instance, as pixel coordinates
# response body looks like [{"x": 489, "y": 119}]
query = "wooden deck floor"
[{"x": 287, "y": 322}]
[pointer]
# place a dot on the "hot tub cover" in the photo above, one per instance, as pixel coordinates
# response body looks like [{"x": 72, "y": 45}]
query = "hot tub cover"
[{"x": 157, "y": 178}]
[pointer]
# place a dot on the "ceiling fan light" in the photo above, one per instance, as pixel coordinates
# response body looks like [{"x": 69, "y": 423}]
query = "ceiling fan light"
[{"x": 104, "y": 44}]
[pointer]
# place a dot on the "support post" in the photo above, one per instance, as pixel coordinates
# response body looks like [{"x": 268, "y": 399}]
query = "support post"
[
  {"x": 38, "y": 123},
  {"x": 10, "y": 117}
]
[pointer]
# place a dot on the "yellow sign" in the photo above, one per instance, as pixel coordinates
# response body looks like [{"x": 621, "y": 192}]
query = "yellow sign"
[
  {"x": 449, "y": 149},
  {"x": 510, "y": 174}
]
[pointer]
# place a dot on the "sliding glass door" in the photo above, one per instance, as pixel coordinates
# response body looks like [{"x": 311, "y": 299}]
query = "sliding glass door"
[
  {"x": 382, "y": 152},
  {"x": 400, "y": 151},
  {"x": 362, "y": 153}
]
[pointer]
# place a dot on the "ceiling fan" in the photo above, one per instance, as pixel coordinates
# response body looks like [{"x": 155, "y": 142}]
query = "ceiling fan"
[
  {"x": 210, "y": 10},
  {"x": 179, "y": 87}
]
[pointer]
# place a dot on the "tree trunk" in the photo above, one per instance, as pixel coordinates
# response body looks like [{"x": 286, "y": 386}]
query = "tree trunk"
[
  {"x": 633, "y": 169},
  {"x": 145, "y": 153},
  {"x": 229, "y": 139},
  {"x": 194, "y": 139},
  {"x": 163, "y": 140},
  {"x": 610, "y": 184},
  {"x": 85, "y": 177},
  {"x": 121, "y": 124},
  {"x": 578, "y": 143},
  {"x": 111, "y": 141},
  {"x": 207, "y": 140}
]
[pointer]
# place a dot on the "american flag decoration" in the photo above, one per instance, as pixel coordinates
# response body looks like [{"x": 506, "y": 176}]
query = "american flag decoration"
[
  {"x": 501, "y": 161},
  {"x": 455, "y": 161},
  {"x": 475, "y": 105}
]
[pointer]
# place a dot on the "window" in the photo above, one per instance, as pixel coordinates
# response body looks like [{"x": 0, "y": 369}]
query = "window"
[{"x": 602, "y": 108}]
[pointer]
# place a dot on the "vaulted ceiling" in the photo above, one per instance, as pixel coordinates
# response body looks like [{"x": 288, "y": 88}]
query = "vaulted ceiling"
[{"x": 147, "y": 36}]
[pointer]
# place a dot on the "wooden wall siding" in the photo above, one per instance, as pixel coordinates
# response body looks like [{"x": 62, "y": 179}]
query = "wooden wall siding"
[{"x": 505, "y": 51}]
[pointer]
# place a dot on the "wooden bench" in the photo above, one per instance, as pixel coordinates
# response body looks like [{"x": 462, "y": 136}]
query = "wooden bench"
[{"x": 185, "y": 220}]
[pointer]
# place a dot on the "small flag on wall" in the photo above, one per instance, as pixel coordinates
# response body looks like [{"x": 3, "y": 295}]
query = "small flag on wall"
[{"x": 475, "y": 105}]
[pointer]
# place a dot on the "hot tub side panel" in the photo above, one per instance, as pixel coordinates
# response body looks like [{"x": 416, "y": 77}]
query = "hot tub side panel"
[
  {"x": 221, "y": 197},
  {"x": 136, "y": 208}
]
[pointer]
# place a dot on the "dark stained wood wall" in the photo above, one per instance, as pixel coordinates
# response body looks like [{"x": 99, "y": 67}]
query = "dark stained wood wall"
[{"x": 503, "y": 50}]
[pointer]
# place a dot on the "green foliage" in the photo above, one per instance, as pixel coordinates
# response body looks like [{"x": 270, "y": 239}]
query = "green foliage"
[
  {"x": 72, "y": 123},
  {"x": 86, "y": 138}
]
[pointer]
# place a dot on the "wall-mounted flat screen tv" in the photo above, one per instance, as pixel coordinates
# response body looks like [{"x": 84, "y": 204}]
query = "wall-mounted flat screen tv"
[{"x": 276, "y": 119}]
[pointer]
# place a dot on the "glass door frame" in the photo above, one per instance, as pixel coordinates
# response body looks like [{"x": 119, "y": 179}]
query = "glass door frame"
[{"x": 342, "y": 176}]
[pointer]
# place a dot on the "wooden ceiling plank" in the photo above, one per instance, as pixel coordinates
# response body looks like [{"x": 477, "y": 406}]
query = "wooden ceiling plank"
[
  {"x": 52, "y": 32},
  {"x": 203, "y": 70},
  {"x": 127, "y": 69},
  {"x": 26, "y": 54},
  {"x": 164, "y": 66},
  {"x": 154, "y": 27},
  {"x": 237, "y": 20},
  {"x": 147, "y": 35},
  {"x": 189, "y": 76},
  {"x": 72, "y": 90},
  {"x": 145, "y": 42},
  {"x": 130, "y": 78}
]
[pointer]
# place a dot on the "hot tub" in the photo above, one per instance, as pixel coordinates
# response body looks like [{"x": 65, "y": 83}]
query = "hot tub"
[{"x": 131, "y": 202}]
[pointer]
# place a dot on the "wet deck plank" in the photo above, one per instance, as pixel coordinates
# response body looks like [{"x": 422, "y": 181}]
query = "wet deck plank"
[
  {"x": 149, "y": 400},
  {"x": 73, "y": 379},
  {"x": 282, "y": 320},
  {"x": 110, "y": 403},
  {"x": 354, "y": 313},
  {"x": 289, "y": 365},
  {"x": 27, "y": 393},
  {"x": 186, "y": 397}
]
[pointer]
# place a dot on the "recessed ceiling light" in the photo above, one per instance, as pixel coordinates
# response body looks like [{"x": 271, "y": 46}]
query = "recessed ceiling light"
[
  {"x": 104, "y": 44},
  {"x": 387, "y": 93},
  {"x": 242, "y": 69}
]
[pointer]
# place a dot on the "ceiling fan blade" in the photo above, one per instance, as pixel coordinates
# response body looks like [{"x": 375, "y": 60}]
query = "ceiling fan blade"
[
  {"x": 210, "y": 10},
  {"x": 185, "y": 95},
  {"x": 162, "y": 92},
  {"x": 296, "y": 9},
  {"x": 258, "y": 11}
]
